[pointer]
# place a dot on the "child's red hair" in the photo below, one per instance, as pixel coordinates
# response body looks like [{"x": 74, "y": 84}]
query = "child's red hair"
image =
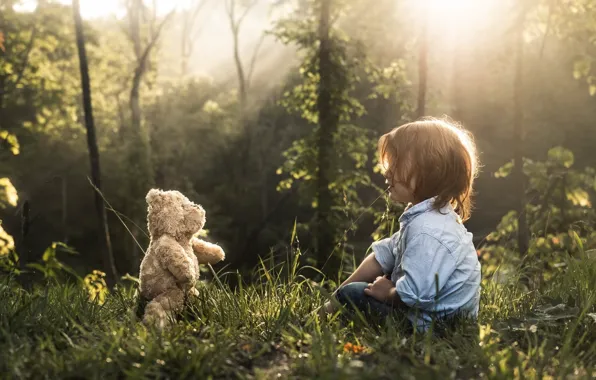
[{"x": 435, "y": 156}]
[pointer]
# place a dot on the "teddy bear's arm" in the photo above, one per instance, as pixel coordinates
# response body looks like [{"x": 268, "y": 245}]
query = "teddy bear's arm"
[
  {"x": 173, "y": 258},
  {"x": 207, "y": 253}
]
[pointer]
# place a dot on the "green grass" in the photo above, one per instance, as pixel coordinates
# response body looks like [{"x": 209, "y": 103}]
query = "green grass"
[{"x": 272, "y": 329}]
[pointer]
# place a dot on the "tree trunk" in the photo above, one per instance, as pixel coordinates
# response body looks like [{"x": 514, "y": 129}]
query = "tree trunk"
[
  {"x": 523, "y": 235},
  {"x": 328, "y": 123},
  {"x": 64, "y": 188},
  {"x": 242, "y": 100},
  {"x": 235, "y": 24},
  {"x": 135, "y": 35},
  {"x": 141, "y": 173},
  {"x": 242, "y": 90},
  {"x": 104, "y": 235},
  {"x": 243, "y": 171},
  {"x": 24, "y": 242},
  {"x": 184, "y": 47},
  {"x": 189, "y": 34},
  {"x": 135, "y": 102},
  {"x": 2, "y": 86},
  {"x": 140, "y": 166},
  {"x": 422, "y": 67}
]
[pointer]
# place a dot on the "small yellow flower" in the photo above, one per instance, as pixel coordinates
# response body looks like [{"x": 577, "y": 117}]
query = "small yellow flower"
[{"x": 96, "y": 286}]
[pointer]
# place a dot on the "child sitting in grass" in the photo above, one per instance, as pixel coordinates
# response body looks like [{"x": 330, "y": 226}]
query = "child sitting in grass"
[{"x": 430, "y": 267}]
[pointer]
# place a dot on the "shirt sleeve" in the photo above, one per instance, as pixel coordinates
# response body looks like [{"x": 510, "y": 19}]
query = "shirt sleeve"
[
  {"x": 424, "y": 257},
  {"x": 384, "y": 251}
]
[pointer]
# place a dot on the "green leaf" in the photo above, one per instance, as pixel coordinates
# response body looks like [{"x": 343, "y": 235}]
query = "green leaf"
[
  {"x": 6, "y": 243},
  {"x": 561, "y": 156},
  {"x": 504, "y": 170},
  {"x": 578, "y": 241},
  {"x": 293, "y": 233},
  {"x": 49, "y": 254},
  {"x": 37, "y": 266},
  {"x": 64, "y": 248},
  {"x": 11, "y": 140},
  {"x": 8, "y": 193},
  {"x": 576, "y": 74},
  {"x": 581, "y": 68},
  {"x": 578, "y": 197}
]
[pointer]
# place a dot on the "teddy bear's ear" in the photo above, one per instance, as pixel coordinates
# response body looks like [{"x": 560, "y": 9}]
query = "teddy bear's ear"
[{"x": 153, "y": 195}]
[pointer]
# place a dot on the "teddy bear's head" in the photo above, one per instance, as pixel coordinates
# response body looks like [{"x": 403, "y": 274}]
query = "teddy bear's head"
[{"x": 171, "y": 213}]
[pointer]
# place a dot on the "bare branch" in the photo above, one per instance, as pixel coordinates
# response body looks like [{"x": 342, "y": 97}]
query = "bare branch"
[
  {"x": 190, "y": 35},
  {"x": 134, "y": 26},
  {"x": 128, "y": 5},
  {"x": 198, "y": 9},
  {"x": 246, "y": 10},
  {"x": 231, "y": 11},
  {"x": 155, "y": 37},
  {"x": 230, "y": 5},
  {"x": 153, "y": 40},
  {"x": 253, "y": 60},
  {"x": 140, "y": 71},
  {"x": 154, "y": 18},
  {"x": 548, "y": 25}
]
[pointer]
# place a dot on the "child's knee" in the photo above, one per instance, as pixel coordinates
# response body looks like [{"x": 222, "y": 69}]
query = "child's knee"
[{"x": 351, "y": 292}]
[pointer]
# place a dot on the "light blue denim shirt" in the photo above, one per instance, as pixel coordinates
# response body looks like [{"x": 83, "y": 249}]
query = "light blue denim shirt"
[{"x": 432, "y": 243}]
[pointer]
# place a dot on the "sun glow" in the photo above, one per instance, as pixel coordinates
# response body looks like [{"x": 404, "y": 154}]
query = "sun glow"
[
  {"x": 459, "y": 17},
  {"x": 462, "y": 15},
  {"x": 105, "y": 8},
  {"x": 452, "y": 5}
]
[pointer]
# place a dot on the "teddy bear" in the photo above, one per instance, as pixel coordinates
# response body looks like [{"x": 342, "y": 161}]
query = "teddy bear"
[{"x": 170, "y": 267}]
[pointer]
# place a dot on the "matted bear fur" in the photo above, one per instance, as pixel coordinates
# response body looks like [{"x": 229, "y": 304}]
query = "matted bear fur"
[{"x": 170, "y": 267}]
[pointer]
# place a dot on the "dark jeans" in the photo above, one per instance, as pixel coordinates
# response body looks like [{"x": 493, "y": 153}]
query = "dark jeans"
[{"x": 352, "y": 295}]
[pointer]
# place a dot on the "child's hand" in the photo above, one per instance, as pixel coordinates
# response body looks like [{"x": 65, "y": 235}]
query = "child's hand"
[{"x": 382, "y": 290}]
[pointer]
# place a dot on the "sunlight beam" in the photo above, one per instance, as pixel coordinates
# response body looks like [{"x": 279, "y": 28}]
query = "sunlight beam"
[
  {"x": 463, "y": 16},
  {"x": 91, "y": 9}
]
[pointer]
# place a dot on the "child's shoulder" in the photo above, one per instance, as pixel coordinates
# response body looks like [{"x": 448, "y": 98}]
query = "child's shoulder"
[{"x": 442, "y": 225}]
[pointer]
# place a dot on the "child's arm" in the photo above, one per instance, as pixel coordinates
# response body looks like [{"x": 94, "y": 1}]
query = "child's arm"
[{"x": 367, "y": 271}]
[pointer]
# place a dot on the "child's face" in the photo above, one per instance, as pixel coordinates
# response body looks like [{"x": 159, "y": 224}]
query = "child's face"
[{"x": 398, "y": 191}]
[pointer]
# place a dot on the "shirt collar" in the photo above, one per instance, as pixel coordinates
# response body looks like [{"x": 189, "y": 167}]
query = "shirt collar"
[{"x": 413, "y": 211}]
